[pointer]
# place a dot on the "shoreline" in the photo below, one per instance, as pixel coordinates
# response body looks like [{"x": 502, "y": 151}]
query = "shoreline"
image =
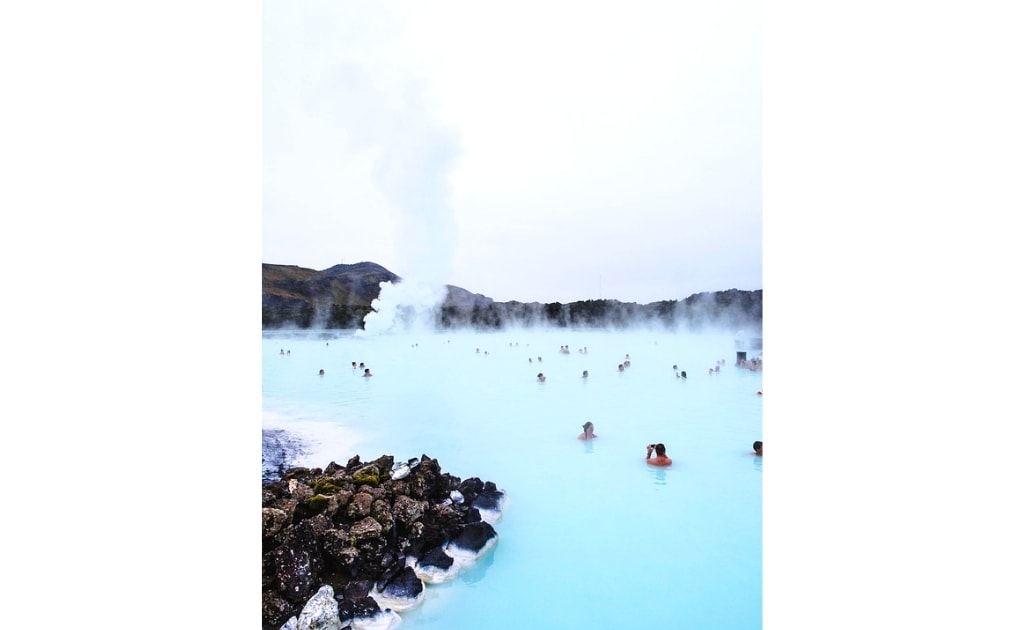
[{"x": 291, "y": 443}]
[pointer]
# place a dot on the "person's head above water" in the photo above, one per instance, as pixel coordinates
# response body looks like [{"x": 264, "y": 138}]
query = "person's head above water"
[
  {"x": 661, "y": 459},
  {"x": 757, "y": 447},
  {"x": 588, "y": 431}
]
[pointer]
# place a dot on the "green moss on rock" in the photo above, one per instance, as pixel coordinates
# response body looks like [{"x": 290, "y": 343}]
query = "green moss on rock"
[
  {"x": 369, "y": 476},
  {"x": 317, "y": 503},
  {"x": 327, "y": 485}
]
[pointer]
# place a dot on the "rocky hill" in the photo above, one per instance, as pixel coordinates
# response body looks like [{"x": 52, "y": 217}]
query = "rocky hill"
[{"x": 340, "y": 297}]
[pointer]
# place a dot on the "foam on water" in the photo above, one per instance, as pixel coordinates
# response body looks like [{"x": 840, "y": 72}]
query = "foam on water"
[{"x": 593, "y": 537}]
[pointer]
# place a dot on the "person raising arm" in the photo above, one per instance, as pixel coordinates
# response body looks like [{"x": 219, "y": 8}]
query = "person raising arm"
[{"x": 660, "y": 459}]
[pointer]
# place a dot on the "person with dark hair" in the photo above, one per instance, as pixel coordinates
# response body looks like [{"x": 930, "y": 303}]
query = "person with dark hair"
[
  {"x": 366, "y": 372},
  {"x": 661, "y": 459},
  {"x": 541, "y": 378},
  {"x": 757, "y": 448},
  {"x": 588, "y": 431}
]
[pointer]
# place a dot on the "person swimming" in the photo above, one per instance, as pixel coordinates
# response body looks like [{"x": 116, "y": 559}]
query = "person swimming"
[
  {"x": 588, "y": 431},
  {"x": 366, "y": 372},
  {"x": 322, "y": 372},
  {"x": 661, "y": 459},
  {"x": 540, "y": 377},
  {"x": 758, "y": 446}
]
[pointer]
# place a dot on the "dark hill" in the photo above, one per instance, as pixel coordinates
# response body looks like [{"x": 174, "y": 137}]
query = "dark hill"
[{"x": 340, "y": 297}]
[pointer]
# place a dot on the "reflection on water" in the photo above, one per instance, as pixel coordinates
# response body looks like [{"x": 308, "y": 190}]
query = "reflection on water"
[
  {"x": 659, "y": 473},
  {"x": 757, "y": 462},
  {"x": 588, "y": 446},
  {"x": 478, "y": 570}
]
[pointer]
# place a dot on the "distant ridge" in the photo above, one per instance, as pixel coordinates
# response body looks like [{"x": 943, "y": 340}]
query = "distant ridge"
[{"x": 340, "y": 297}]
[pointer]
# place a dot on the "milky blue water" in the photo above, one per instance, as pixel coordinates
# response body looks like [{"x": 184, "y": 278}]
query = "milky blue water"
[{"x": 591, "y": 535}]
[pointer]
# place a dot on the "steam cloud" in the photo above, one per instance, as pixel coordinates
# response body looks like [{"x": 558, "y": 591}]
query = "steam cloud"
[{"x": 415, "y": 154}]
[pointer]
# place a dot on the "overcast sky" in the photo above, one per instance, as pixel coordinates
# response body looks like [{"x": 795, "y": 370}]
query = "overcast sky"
[{"x": 532, "y": 151}]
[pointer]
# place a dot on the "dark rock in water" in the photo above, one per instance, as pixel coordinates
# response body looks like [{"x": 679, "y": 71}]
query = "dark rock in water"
[
  {"x": 475, "y": 536},
  {"x": 349, "y": 609},
  {"x": 357, "y": 589},
  {"x": 436, "y": 557},
  {"x": 405, "y": 584},
  {"x": 470, "y": 488},
  {"x": 481, "y": 495},
  {"x": 488, "y": 500},
  {"x": 391, "y": 568}
]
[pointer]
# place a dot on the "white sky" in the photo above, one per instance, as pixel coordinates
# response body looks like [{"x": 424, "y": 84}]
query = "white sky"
[{"x": 535, "y": 152}]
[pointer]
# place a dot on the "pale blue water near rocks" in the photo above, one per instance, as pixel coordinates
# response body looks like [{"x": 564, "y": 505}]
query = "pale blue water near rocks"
[{"x": 591, "y": 535}]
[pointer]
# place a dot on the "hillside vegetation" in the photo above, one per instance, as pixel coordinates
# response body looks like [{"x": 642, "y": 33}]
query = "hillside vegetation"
[{"x": 340, "y": 297}]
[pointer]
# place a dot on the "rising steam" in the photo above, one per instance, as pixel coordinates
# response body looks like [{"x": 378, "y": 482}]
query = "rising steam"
[
  {"x": 405, "y": 306},
  {"x": 415, "y": 155}
]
